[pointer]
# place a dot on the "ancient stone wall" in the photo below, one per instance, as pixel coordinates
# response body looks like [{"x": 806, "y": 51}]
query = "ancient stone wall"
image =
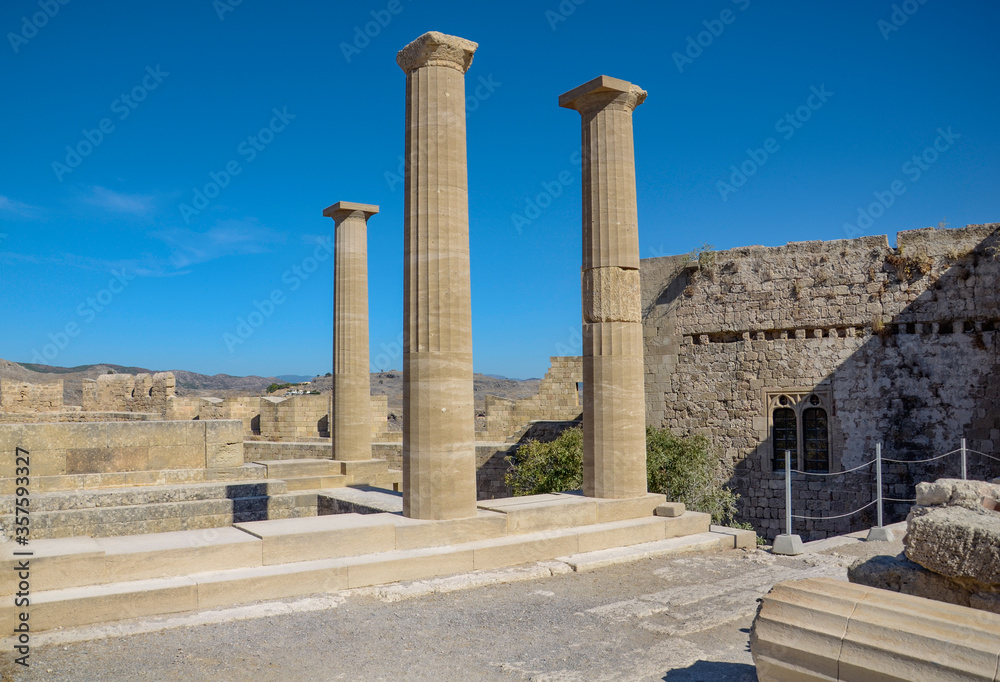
[
  {"x": 127, "y": 393},
  {"x": 558, "y": 399},
  {"x": 300, "y": 416},
  {"x": 20, "y": 397},
  {"x": 119, "y": 447},
  {"x": 898, "y": 346}
]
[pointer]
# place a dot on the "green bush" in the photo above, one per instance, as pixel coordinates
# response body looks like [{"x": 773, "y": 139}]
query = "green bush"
[
  {"x": 548, "y": 467},
  {"x": 683, "y": 468}
]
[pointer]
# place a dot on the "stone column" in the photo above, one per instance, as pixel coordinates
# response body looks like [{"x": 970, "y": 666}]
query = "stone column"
[
  {"x": 614, "y": 422},
  {"x": 439, "y": 449},
  {"x": 350, "y": 416}
]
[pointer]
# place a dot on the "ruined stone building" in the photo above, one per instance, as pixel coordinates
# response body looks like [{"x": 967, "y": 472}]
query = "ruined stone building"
[{"x": 826, "y": 349}]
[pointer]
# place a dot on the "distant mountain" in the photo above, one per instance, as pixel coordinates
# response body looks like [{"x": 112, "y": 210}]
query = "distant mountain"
[
  {"x": 295, "y": 378},
  {"x": 188, "y": 383},
  {"x": 222, "y": 385}
]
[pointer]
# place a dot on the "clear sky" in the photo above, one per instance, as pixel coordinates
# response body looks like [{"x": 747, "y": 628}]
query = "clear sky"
[{"x": 117, "y": 114}]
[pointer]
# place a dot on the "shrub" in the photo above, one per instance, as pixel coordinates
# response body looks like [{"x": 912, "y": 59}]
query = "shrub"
[
  {"x": 683, "y": 468},
  {"x": 547, "y": 467}
]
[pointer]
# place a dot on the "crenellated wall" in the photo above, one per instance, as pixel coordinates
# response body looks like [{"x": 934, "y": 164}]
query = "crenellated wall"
[
  {"x": 898, "y": 346},
  {"x": 128, "y": 393}
]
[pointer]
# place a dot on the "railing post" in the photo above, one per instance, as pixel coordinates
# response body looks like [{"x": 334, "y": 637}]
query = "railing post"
[
  {"x": 787, "y": 543},
  {"x": 964, "y": 470},
  {"x": 788, "y": 492},
  {"x": 878, "y": 479},
  {"x": 879, "y": 533}
]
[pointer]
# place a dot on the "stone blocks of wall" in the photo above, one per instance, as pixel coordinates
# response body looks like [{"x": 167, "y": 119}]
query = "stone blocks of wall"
[
  {"x": 301, "y": 416},
  {"x": 558, "y": 399},
  {"x": 21, "y": 397},
  {"x": 905, "y": 341},
  {"x": 128, "y": 393},
  {"x": 110, "y": 447}
]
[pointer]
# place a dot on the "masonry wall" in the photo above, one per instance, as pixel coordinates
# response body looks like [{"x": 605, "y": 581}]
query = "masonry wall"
[
  {"x": 20, "y": 397},
  {"x": 119, "y": 447},
  {"x": 128, "y": 393},
  {"x": 900, "y": 345},
  {"x": 300, "y": 416},
  {"x": 558, "y": 399}
]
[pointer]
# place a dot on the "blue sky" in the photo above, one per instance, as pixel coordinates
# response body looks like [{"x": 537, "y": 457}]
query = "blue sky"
[{"x": 100, "y": 261}]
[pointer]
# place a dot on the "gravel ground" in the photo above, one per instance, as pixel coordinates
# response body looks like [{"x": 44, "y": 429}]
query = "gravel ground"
[{"x": 678, "y": 619}]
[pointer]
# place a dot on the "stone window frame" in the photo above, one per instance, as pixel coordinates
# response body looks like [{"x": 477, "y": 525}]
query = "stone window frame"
[{"x": 799, "y": 400}]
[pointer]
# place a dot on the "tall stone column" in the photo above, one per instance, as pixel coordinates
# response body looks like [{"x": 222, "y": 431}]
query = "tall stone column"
[
  {"x": 614, "y": 422},
  {"x": 439, "y": 449},
  {"x": 350, "y": 418}
]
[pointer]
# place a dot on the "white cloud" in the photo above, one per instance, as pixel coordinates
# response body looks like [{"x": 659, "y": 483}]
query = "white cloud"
[
  {"x": 17, "y": 208},
  {"x": 226, "y": 238},
  {"x": 136, "y": 204}
]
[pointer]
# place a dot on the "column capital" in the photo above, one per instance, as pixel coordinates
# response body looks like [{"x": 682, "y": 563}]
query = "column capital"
[
  {"x": 603, "y": 92},
  {"x": 342, "y": 210},
  {"x": 437, "y": 49}
]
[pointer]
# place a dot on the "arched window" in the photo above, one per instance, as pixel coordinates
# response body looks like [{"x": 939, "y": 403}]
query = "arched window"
[
  {"x": 785, "y": 437},
  {"x": 815, "y": 440},
  {"x": 799, "y": 421}
]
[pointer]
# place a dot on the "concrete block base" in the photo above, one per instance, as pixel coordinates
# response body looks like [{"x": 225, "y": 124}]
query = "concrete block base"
[
  {"x": 788, "y": 545},
  {"x": 880, "y": 534}
]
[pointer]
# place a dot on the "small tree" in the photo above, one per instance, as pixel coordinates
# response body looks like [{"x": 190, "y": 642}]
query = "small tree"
[{"x": 683, "y": 468}]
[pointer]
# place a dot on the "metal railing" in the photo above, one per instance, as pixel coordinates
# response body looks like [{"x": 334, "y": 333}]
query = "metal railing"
[{"x": 963, "y": 451}]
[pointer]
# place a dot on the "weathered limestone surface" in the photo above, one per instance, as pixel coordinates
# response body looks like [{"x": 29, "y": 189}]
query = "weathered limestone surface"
[
  {"x": 823, "y": 629},
  {"x": 98, "y": 448},
  {"x": 439, "y": 474},
  {"x": 351, "y": 418},
  {"x": 755, "y": 320},
  {"x": 952, "y": 548},
  {"x": 128, "y": 393},
  {"x": 614, "y": 444},
  {"x": 21, "y": 397},
  {"x": 295, "y": 417}
]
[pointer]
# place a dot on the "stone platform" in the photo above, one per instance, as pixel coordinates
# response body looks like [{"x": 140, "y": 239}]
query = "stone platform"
[{"x": 76, "y": 581}]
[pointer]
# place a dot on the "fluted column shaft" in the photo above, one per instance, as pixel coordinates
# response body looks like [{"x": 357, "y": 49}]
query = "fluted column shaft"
[
  {"x": 439, "y": 451},
  {"x": 614, "y": 426},
  {"x": 350, "y": 418}
]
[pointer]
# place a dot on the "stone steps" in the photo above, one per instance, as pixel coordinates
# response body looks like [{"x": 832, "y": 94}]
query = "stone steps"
[
  {"x": 159, "y": 509},
  {"x": 174, "y": 572},
  {"x": 318, "y": 474}
]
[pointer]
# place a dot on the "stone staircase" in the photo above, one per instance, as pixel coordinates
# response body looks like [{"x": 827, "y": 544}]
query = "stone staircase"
[
  {"x": 319, "y": 474},
  {"x": 157, "y": 509},
  {"x": 82, "y": 580}
]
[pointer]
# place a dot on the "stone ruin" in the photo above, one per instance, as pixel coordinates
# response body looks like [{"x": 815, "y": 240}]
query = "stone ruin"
[
  {"x": 952, "y": 547},
  {"x": 827, "y": 349},
  {"x": 270, "y": 533}
]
